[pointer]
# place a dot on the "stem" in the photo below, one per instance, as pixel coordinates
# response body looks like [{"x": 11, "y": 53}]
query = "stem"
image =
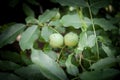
[
  {"x": 84, "y": 26},
  {"x": 60, "y": 53},
  {"x": 54, "y": 29},
  {"x": 90, "y": 63},
  {"x": 88, "y": 60},
  {"x": 91, "y": 17},
  {"x": 81, "y": 63}
]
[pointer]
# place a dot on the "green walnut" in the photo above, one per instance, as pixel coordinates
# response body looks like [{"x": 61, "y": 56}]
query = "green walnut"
[
  {"x": 56, "y": 40},
  {"x": 71, "y": 39}
]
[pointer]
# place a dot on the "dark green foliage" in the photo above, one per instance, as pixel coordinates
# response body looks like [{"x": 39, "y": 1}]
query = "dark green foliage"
[{"x": 95, "y": 56}]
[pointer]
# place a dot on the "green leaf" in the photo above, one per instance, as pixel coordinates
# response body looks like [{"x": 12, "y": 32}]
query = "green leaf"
[
  {"x": 106, "y": 74},
  {"x": 96, "y": 5},
  {"x": 52, "y": 54},
  {"x": 13, "y": 3},
  {"x": 28, "y": 11},
  {"x": 99, "y": 4},
  {"x": 8, "y": 76},
  {"x": 31, "y": 20},
  {"x": 47, "y": 15},
  {"x": 31, "y": 72},
  {"x": 8, "y": 65},
  {"x": 33, "y": 2},
  {"x": 6, "y": 26},
  {"x": 71, "y": 69},
  {"x": 46, "y": 32},
  {"x": 115, "y": 20},
  {"x": 60, "y": 29},
  {"x": 75, "y": 3},
  {"x": 91, "y": 41},
  {"x": 87, "y": 21},
  {"x": 107, "y": 50},
  {"x": 74, "y": 21},
  {"x": 86, "y": 41},
  {"x": 28, "y": 37},
  {"x": 82, "y": 41},
  {"x": 71, "y": 20},
  {"x": 104, "y": 39},
  {"x": 11, "y": 56},
  {"x": 9, "y": 35},
  {"x": 104, "y": 63},
  {"x": 58, "y": 26},
  {"x": 55, "y": 23},
  {"x": 25, "y": 58},
  {"x": 106, "y": 25},
  {"x": 48, "y": 67}
]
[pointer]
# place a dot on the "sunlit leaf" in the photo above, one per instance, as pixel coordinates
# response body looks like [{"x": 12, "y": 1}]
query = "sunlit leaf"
[
  {"x": 9, "y": 35},
  {"x": 55, "y": 23},
  {"x": 28, "y": 37},
  {"x": 74, "y": 21},
  {"x": 60, "y": 29},
  {"x": 47, "y": 15},
  {"x": 48, "y": 67},
  {"x": 91, "y": 41},
  {"x": 71, "y": 20},
  {"x": 87, "y": 21},
  {"x": 106, "y": 74},
  {"x": 83, "y": 41},
  {"x": 104, "y": 63},
  {"x": 31, "y": 20},
  {"x": 52, "y": 54},
  {"x": 46, "y": 32},
  {"x": 71, "y": 69},
  {"x": 58, "y": 26}
]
